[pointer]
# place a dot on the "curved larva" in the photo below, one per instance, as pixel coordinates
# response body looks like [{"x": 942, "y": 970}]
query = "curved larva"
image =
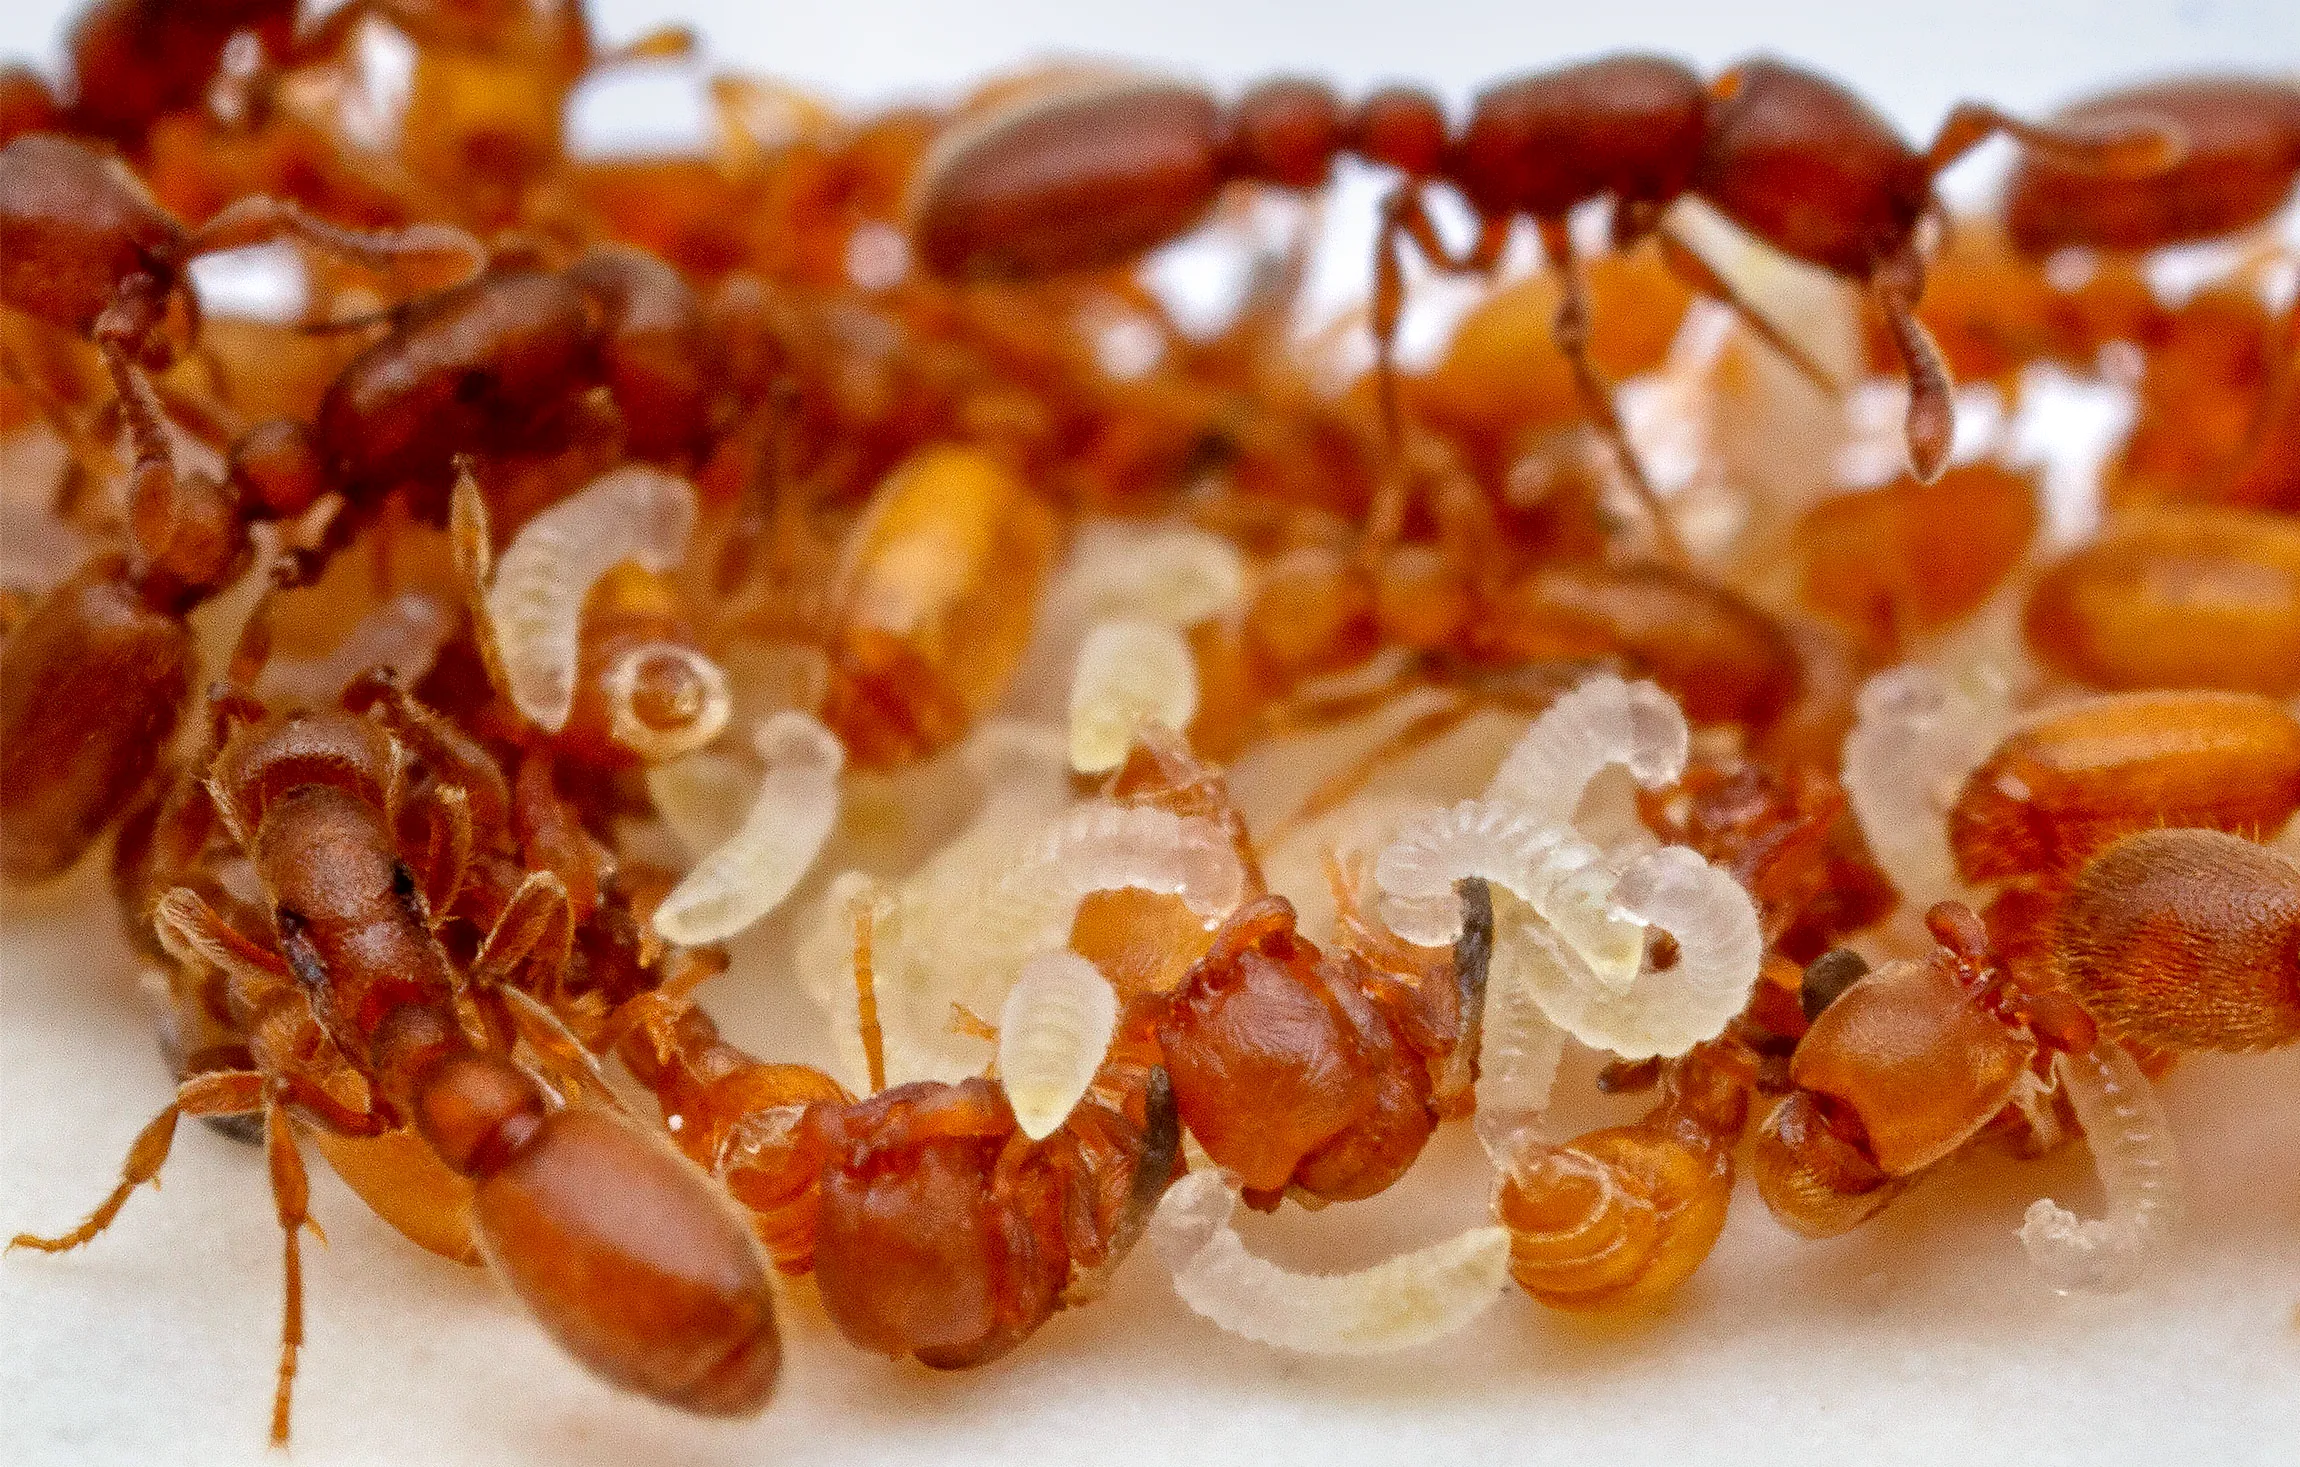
[
  {"x": 1719, "y": 948},
  {"x": 632, "y": 513},
  {"x": 1053, "y": 1031},
  {"x": 1519, "y": 1048},
  {"x": 660, "y": 745},
  {"x": 961, "y": 929},
  {"x": 1917, "y": 736},
  {"x": 1602, "y": 722},
  {"x": 1408, "y": 1300},
  {"x": 748, "y": 876},
  {"x": 1128, "y": 673},
  {"x": 1561, "y": 876},
  {"x": 1175, "y": 575},
  {"x": 701, "y": 798},
  {"x": 404, "y": 634},
  {"x": 2139, "y": 1170},
  {"x": 1103, "y": 847}
]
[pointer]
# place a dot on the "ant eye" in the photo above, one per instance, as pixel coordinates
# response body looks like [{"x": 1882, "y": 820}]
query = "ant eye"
[
  {"x": 475, "y": 387},
  {"x": 1827, "y": 976}
]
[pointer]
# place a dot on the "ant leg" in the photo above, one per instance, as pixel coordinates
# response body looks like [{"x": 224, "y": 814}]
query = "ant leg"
[
  {"x": 262, "y": 219},
  {"x": 567, "y": 1062},
  {"x": 195, "y": 934},
  {"x": 1692, "y": 268},
  {"x": 89, "y": 461},
  {"x": 216, "y": 1093},
  {"x": 1405, "y": 217},
  {"x": 447, "y": 847},
  {"x": 2140, "y": 148},
  {"x": 537, "y": 926},
  {"x": 1418, "y": 733},
  {"x": 453, "y": 757},
  {"x": 552, "y": 838},
  {"x": 664, "y": 43},
  {"x": 1932, "y": 416},
  {"x": 864, "y": 915},
  {"x": 291, "y": 1201},
  {"x": 1571, "y": 331}
]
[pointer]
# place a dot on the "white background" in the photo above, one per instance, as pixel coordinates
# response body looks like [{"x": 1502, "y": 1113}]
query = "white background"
[{"x": 1922, "y": 1338}]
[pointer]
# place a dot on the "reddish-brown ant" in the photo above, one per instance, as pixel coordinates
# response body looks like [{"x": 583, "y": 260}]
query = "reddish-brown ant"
[
  {"x": 2242, "y": 153},
  {"x": 360, "y": 1023},
  {"x": 134, "y": 60},
  {"x": 1089, "y": 177}
]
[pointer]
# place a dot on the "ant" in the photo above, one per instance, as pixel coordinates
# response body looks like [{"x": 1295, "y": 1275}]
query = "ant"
[
  {"x": 1900, "y": 1068},
  {"x": 933, "y": 1225},
  {"x": 2242, "y": 154},
  {"x": 1090, "y": 177},
  {"x": 133, "y": 61},
  {"x": 360, "y": 1023},
  {"x": 93, "y": 680}
]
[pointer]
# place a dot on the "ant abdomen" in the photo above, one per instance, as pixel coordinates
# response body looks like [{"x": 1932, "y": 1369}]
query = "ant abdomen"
[
  {"x": 634, "y": 1262},
  {"x": 2203, "y": 596},
  {"x": 2073, "y": 780},
  {"x": 1082, "y": 179},
  {"x": 2242, "y": 152},
  {"x": 2186, "y": 939},
  {"x": 92, "y": 683}
]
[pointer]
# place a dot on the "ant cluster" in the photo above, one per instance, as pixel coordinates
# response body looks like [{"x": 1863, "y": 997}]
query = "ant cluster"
[{"x": 1191, "y": 775}]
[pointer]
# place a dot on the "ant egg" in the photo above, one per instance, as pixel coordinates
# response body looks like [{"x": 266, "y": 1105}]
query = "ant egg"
[
  {"x": 1128, "y": 673},
  {"x": 633, "y": 513},
  {"x": 744, "y": 879},
  {"x": 1396, "y": 1304},
  {"x": 1053, "y": 1031}
]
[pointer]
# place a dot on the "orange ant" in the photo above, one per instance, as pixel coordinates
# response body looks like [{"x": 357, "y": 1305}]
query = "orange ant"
[
  {"x": 360, "y": 1024},
  {"x": 1900, "y": 1068}
]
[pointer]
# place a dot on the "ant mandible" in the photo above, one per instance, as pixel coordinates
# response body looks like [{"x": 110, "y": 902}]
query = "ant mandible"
[{"x": 1089, "y": 177}]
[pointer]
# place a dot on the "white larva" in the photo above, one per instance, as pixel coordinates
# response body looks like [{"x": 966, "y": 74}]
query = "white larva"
[
  {"x": 1394, "y": 1305},
  {"x": 633, "y": 513},
  {"x": 1053, "y": 1031},
  {"x": 1128, "y": 673},
  {"x": 2139, "y": 1170},
  {"x": 748, "y": 875},
  {"x": 1918, "y": 734},
  {"x": 1544, "y": 863},
  {"x": 1603, "y": 722}
]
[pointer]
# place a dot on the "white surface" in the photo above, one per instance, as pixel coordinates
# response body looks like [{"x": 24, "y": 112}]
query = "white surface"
[{"x": 1922, "y": 1338}]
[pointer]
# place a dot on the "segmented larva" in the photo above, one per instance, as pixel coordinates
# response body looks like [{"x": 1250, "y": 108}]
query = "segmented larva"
[
  {"x": 1918, "y": 735},
  {"x": 791, "y": 816},
  {"x": 1053, "y": 1031},
  {"x": 2139, "y": 1168},
  {"x": 1128, "y": 673},
  {"x": 633, "y": 513},
  {"x": 1401, "y": 1302},
  {"x": 1602, "y": 722}
]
